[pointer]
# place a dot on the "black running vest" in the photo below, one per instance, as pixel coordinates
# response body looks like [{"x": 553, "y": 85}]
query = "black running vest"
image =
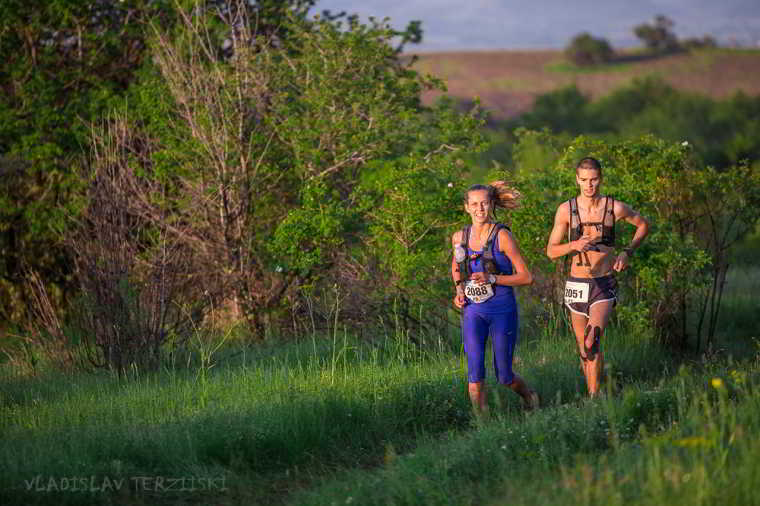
[
  {"x": 488, "y": 263},
  {"x": 607, "y": 224}
]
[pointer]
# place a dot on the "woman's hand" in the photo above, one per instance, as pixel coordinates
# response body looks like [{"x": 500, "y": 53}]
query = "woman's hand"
[
  {"x": 480, "y": 278},
  {"x": 459, "y": 300}
]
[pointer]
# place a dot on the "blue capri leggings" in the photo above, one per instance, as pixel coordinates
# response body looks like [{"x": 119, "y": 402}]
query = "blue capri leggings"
[{"x": 502, "y": 327}]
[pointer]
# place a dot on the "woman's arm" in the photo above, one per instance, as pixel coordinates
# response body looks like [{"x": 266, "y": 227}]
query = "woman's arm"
[
  {"x": 456, "y": 276},
  {"x": 522, "y": 275}
]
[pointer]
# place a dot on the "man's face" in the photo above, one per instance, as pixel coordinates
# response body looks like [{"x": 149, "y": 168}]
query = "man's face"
[{"x": 589, "y": 181}]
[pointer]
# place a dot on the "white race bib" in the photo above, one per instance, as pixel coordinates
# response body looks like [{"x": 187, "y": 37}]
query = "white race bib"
[
  {"x": 478, "y": 293},
  {"x": 576, "y": 292}
]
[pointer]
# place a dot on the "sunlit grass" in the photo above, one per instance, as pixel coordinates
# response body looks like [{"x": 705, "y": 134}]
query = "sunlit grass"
[
  {"x": 667, "y": 443},
  {"x": 265, "y": 417},
  {"x": 258, "y": 419},
  {"x": 330, "y": 419}
]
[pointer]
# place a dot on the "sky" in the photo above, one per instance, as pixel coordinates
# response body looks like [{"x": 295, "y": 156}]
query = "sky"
[{"x": 550, "y": 24}]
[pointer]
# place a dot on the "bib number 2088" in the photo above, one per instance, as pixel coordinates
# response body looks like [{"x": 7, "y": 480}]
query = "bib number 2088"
[{"x": 478, "y": 293}]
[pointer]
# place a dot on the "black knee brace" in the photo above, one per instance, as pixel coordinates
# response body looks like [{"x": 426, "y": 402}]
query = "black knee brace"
[{"x": 591, "y": 352}]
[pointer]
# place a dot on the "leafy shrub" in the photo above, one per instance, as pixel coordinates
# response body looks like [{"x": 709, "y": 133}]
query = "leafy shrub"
[
  {"x": 276, "y": 161},
  {"x": 658, "y": 36},
  {"x": 584, "y": 49},
  {"x": 706, "y": 42},
  {"x": 679, "y": 270},
  {"x": 560, "y": 111},
  {"x": 720, "y": 132}
]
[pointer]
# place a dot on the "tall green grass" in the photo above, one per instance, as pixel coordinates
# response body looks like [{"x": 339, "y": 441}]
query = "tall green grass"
[
  {"x": 265, "y": 418},
  {"x": 740, "y": 307},
  {"x": 255, "y": 422},
  {"x": 332, "y": 419},
  {"x": 675, "y": 442}
]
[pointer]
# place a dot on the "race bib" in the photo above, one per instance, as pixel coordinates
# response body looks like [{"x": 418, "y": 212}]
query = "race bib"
[
  {"x": 576, "y": 292},
  {"x": 478, "y": 293}
]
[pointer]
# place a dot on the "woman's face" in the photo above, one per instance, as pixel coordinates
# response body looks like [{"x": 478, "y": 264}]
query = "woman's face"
[
  {"x": 478, "y": 206},
  {"x": 589, "y": 180}
]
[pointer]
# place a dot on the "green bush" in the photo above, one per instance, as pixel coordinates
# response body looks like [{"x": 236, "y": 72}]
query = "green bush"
[
  {"x": 658, "y": 36},
  {"x": 720, "y": 132},
  {"x": 297, "y": 166},
  {"x": 584, "y": 49},
  {"x": 694, "y": 43},
  {"x": 684, "y": 255}
]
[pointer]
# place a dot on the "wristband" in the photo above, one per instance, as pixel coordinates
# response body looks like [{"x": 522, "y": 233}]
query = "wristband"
[
  {"x": 492, "y": 279},
  {"x": 628, "y": 251}
]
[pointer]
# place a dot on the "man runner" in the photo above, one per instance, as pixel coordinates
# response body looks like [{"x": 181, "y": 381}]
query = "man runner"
[{"x": 588, "y": 221}]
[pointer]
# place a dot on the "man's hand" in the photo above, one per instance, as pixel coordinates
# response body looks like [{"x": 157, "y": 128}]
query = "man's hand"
[
  {"x": 621, "y": 262},
  {"x": 585, "y": 243}
]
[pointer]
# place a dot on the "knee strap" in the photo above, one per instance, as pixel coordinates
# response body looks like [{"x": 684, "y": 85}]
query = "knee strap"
[{"x": 591, "y": 352}]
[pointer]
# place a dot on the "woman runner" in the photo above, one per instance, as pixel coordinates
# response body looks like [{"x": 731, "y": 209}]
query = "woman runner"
[
  {"x": 588, "y": 221},
  {"x": 487, "y": 264}
]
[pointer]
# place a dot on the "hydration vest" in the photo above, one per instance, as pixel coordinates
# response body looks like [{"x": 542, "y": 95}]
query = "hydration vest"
[
  {"x": 575, "y": 231},
  {"x": 489, "y": 265}
]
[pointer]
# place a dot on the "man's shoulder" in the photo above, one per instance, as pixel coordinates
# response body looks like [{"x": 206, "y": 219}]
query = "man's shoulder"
[
  {"x": 622, "y": 209},
  {"x": 563, "y": 209}
]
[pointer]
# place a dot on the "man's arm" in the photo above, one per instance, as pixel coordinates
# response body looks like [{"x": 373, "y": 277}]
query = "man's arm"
[
  {"x": 624, "y": 212},
  {"x": 555, "y": 248}
]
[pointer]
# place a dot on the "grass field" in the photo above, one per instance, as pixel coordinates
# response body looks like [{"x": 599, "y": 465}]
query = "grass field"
[
  {"x": 508, "y": 82},
  {"x": 331, "y": 420}
]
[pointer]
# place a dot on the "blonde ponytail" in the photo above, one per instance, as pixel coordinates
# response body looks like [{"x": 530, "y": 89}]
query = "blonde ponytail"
[{"x": 504, "y": 195}]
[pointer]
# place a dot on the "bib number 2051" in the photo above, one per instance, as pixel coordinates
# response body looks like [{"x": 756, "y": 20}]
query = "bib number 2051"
[
  {"x": 478, "y": 293},
  {"x": 576, "y": 292}
]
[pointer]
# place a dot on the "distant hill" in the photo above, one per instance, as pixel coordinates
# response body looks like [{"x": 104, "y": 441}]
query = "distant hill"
[
  {"x": 508, "y": 82},
  {"x": 454, "y": 25}
]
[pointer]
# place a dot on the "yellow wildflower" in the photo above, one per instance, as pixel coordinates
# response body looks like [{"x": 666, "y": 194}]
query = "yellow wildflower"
[
  {"x": 739, "y": 377},
  {"x": 693, "y": 442}
]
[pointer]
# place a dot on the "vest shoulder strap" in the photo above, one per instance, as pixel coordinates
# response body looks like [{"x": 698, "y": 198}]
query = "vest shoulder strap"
[
  {"x": 464, "y": 265},
  {"x": 465, "y": 239},
  {"x": 487, "y": 248},
  {"x": 575, "y": 219},
  {"x": 611, "y": 211},
  {"x": 608, "y": 222}
]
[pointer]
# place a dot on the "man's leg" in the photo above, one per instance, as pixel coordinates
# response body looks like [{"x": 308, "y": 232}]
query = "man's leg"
[
  {"x": 599, "y": 315},
  {"x": 580, "y": 322}
]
